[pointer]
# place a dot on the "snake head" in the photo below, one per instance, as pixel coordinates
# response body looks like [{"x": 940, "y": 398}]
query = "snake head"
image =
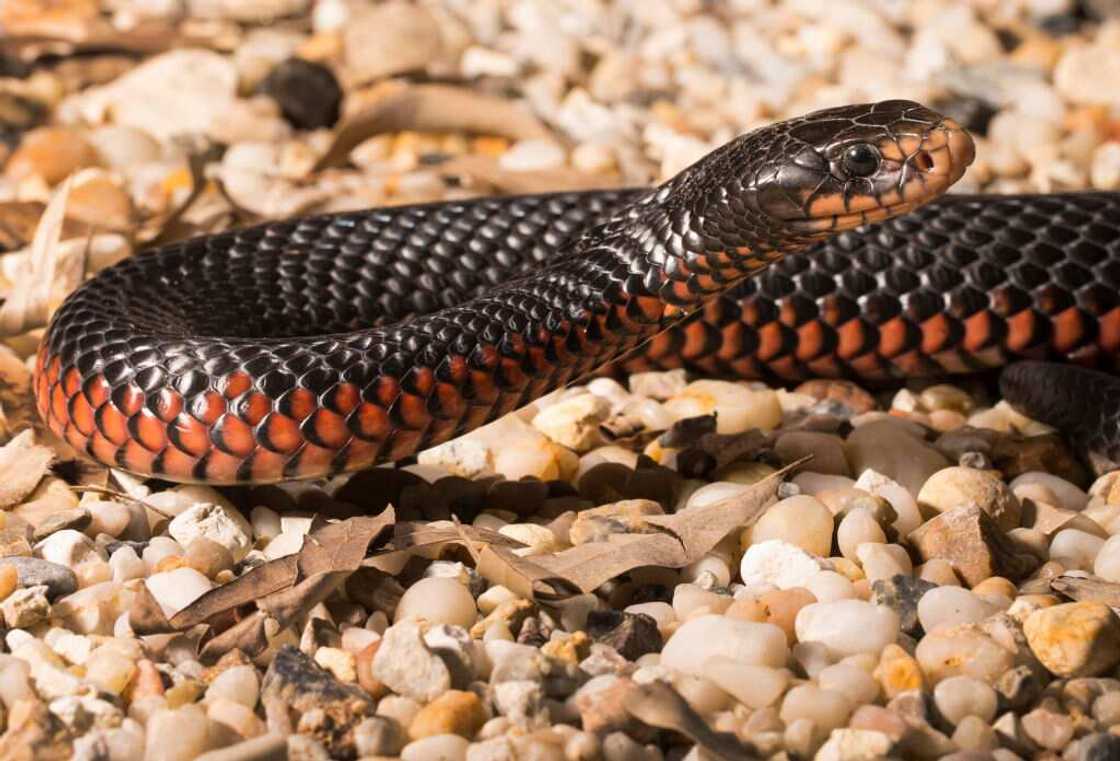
[{"x": 839, "y": 168}]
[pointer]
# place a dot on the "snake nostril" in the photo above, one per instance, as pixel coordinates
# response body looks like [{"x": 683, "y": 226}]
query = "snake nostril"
[{"x": 923, "y": 161}]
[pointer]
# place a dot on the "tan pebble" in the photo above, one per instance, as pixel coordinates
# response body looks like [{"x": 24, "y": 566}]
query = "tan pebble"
[
  {"x": 187, "y": 691},
  {"x": 170, "y": 563},
  {"x": 454, "y": 712},
  {"x": 996, "y": 585},
  {"x": 571, "y": 649},
  {"x": 51, "y": 153},
  {"x": 147, "y": 682},
  {"x": 363, "y": 666},
  {"x": 338, "y": 662},
  {"x": 747, "y": 609},
  {"x": 782, "y": 606},
  {"x": 240, "y": 718},
  {"x": 1076, "y": 639},
  {"x": 954, "y": 487},
  {"x": 898, "y": 672},
  {"x": 97, "y": 199},
  {"x": 1024, "y": 605},
  {"x": 9, "y": 580},
  {"x": 208, "y": 557}
]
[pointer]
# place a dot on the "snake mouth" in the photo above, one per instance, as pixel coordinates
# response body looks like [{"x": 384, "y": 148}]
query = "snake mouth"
[{"x": 915, "y": 169}]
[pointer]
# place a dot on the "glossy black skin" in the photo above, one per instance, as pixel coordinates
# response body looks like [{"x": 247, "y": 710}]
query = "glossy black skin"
[{"x": 310, "y": 347}]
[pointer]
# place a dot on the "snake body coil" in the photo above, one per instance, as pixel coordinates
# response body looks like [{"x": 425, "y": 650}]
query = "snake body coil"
[{"x": 314, "y": 346}]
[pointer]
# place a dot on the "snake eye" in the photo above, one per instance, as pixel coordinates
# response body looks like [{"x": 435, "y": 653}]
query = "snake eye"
[{"x": 861, "y": 160}]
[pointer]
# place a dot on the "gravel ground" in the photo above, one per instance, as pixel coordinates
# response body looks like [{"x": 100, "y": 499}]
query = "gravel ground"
[{"x": 637, "y": 571}]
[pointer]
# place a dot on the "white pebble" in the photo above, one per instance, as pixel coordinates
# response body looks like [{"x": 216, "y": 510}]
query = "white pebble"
[
  {"x": 216, "y": 522},
  {"x": 178, "y": 588},
  {"x": 237, "y": 683},
  {"x": 1075, "y": 549},
  {"x": 753, "y": 686},
  {"x": 69, "y": 548},
  {"x": 1070, "y": 497},
  {"x": 960, "y": 696},
  {"x": 882, "y": 561},
  {"x": 778, "y": 563},
  {"x": 1104, "y": 171},
  {"x": 851, "y": 680},
  {"x": 712, "y": 635},
  {"x": 437, "y": 601},
  {"x": 801, "y": 520},
  {"x": 127, "y": 565},
  {"x": 265, "y": 522},
  {"x": 828, "y": 710},
  {"x": 950, "y": 606},
  {"x": 828, "y": 586},
  {"x": 1107, "y": 564},
  {"x": 858, "y": 527},
  {"x": 847, "y": 627},
  {"x": 534, "y": 155},
  {"x": 738, "y": 407}
]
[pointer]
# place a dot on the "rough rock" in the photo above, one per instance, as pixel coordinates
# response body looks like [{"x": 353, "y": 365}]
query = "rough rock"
[{"x": 970, "y": 540}]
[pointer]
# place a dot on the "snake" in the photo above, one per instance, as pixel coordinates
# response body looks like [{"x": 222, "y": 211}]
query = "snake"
[{"x": 817, "y": 246}]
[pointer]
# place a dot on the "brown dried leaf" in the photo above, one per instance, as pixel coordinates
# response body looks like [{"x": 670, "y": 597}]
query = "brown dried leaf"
[
  {"x": 23, "y": 464},
  {"x": 17, "y": 405},
  {"x": 659, "y": 705},
  {"x": 249, "y": 635},
  {"x": 146, "y": 616},
  {"x": 337, "y": 548},
  {"x": 684, "y": 538},
  {"x": 1087, "y": 589},
  {"x": 29, "y": 302},
  {"x": 397, "y": 106}
]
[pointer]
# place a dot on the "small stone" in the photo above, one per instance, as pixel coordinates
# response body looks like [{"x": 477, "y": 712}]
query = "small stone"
[
  {"x": 956, "y": 487},
  {"x": 378, "y": 736},
  {"x": 1100, "y": 746},
  {"x": 68, "y": 548},
  {"x": 826, "y": 449},
  {"x": 898, "y": 497},
  {"x": 219, "y": 523},
  {"x": 26, "y": 607},
  {"x": 854, "y": 745},
  {"x": 441, "y": 748},
  {"x": 437, "y": 601},
  {"x": 9, "y": 580},
  {"x": 962, "y": 650},
  {"x": 308, "y": 93},
  {"x": 1048, "y": 729},
  {"x": 951, "y": 606},
  {"x": 961, "y": 696},
  {"x": 520, "y": 700},
  {"x": 1104, "y": 171},
  {"x": 51, "y": 153},
  {"x": 1107, "y": 562},
  {"x": 237, "y": 683},
  {"x": 753, "y": 686},
  {"x": 454, "y": 712},
  {"x": 406, "y": 666},
  {"x": 1084, "y": 73},
  {"x": 208, "y": 557},
  {"x": 178, "y": 588},
  {"x": 848, "y": 627},
  {"x": 852, "y": 679},
  {"x": 738, "y": 407},
  {"x": 391, "y": 38},
  {"x": 574, "y": 421},
  {"x": 882, "y": 561},
  {"x": 902, "y": 594},
  {"x": 1075, "y": 550},
  {"x": 858, "y": 527},
  {"x": 828, "y": 710},
  {"x": 632, "y": 635},
  {"x": 1075, "y": 639},
  {"x": 76, "y": 519},
  {"x": 894, "y": 450},
  {"x": 777, "y": 563},
  {"x": 193, "y": 734},
  {"x": 703, "y": 637},
  {"x": 802, "y": 521},
  {"x": 969, "y": 538},
  {"x": 330, "y": 709}
]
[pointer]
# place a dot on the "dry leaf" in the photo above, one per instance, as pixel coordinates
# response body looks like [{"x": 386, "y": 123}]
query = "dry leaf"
[
  {"x": 337, "y": 548},
  {"x": 1087, "y": 589},
  {"x": 23, "y": 464},
  {"x": 438, "y": 108},
  {"x": 658, "y": 705},
  {"x": 684, "y": 538},
  {"x": 29, "y": 302}
]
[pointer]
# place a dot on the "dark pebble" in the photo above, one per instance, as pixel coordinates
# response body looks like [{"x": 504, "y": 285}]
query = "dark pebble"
[
  {"x": 974, "y": 114},
  {"x": 1102, "y": 746},
  {"x": 59, "y": 579},
  {"x": 631, "y": 634},
  {"x": 308, "y": 93},
  {"x": 901, "y": 594}
]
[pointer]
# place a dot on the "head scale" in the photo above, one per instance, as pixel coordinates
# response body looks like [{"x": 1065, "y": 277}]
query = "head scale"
[{"x": 825, "y": 172}]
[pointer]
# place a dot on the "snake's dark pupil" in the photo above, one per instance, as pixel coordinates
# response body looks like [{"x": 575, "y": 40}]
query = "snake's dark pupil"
[{"x": 861, "y": 160}]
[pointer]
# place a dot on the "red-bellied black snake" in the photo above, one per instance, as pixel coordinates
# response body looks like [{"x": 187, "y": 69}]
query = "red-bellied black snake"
[{"x": 325, "y": 344}]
